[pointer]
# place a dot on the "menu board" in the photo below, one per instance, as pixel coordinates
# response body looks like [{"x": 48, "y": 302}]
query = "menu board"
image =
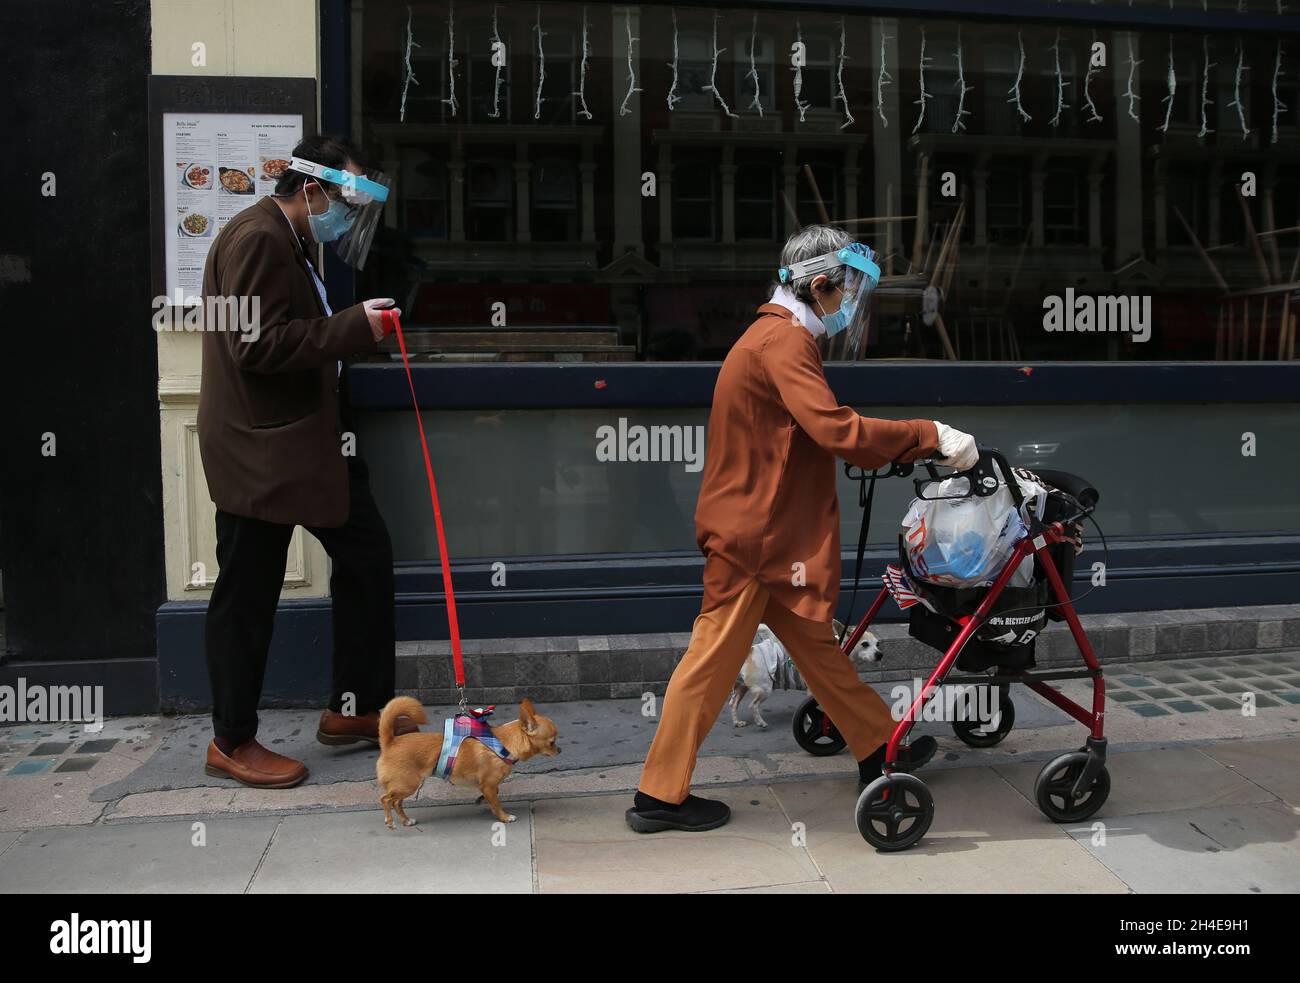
[{"x": 214, "y": 166}]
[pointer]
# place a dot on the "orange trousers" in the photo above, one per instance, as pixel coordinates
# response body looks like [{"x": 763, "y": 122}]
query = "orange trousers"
[{"x": 720, "y": 643}]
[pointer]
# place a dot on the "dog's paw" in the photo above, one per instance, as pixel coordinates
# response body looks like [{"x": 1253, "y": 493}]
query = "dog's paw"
[
  {"x": 388, "y": 823},
  {"x": 510, "y": 818},
  {"x": 762, "y": 724},
  {"x": 408, "y": 821}
]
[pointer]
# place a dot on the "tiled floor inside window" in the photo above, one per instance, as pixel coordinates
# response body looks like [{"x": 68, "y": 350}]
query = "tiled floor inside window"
[{"x": 1216, "y": 683}]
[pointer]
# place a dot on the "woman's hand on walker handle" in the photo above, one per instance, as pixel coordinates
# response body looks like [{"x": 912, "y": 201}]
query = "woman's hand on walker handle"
[
  {"x": 958, "y": 449},
  {"x": 380, "y": 327}
]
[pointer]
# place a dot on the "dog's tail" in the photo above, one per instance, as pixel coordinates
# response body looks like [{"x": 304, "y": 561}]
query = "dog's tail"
[{"x": 399, "y": 706}]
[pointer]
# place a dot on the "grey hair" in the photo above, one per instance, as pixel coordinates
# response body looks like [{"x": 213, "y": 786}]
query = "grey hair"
[{"x": 810, "y": 241}]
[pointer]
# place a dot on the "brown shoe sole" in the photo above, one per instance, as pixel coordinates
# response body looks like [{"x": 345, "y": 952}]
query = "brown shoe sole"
[
  {"x": 338, "y": 740},
  {"x": 218, "y": 773}
]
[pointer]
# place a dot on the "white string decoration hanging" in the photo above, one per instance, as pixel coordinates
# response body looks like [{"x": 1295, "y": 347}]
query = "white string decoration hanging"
[
  {"x": 840, "y": 94},
  {"x": 581, "y": 94},
  {"x": 673, "y": 97},
  {"x": 752, "y": 74},
  {"x": 1205, "y": 86},
  {"x": 883, "y": 78},
  {"x": 1278, "y": 106},
  {"x": 1236, "y": 90},
  {"x": 1087, "y": 90},
  {"x": 1171, "y": 83},
  {"x": 541, "y": 66},
  {"x": 1129, "y": 94},
  {"x": 451, "y": 59},
  {"x": 631, "y": 69},
  {"x": 962, "y": 88},
  {"x": 1060, "y": 81},
  {"x": 713, "y": 70},
  {"x": 798, "y": 75},
  {"x": 410, "y": 74},
  {"x": 922, "y": 62},
  {"x": 1014, "y": 91},
  {"x": 496, "y": 81}
]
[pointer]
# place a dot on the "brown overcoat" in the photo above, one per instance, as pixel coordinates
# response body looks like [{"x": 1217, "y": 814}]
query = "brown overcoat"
[
  {"x": 767, "y": 499},
  {"x": 268, "y": 423}
]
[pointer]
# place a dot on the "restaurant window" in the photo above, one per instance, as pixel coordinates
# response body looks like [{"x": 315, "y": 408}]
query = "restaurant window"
[
  {"x": 1006, "y": 207},
  {"x": 756, "y": 201},
  {"x": 424, "y": 195},
  {"x": 555, "y": 200},
  {"x": 757, "y": 59},
  {"x": 695, "y": 199},
  {"x": 694, "y": 60},
  {"x": 554, "y": 78},
  {"x": 818, "y": 191},
  {"x": 604, "y": 198},
  {"x": 1001, "y": 62},
  {"x": 489, "y": 85},
  {"x": 1063, "y": 221},
  {"x": 489, "y": 211}
]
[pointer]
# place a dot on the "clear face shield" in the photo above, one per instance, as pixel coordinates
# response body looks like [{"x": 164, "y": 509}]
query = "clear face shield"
[
  {"x": 861, "y": 274},
  {"x": 355, "y": 210}
]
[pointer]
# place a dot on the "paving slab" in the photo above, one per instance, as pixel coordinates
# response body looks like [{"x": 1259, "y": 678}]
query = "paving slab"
[
  {"x": 136, "y": 858},
  {"x": 584, "y": 845},
  {"x": 8, "y": 837},
  {"x": 803, "y": 887},
  {"x": 1273, "y": 765},
  {"x": 985, "y": 838},
  {"x": 454, "y": 849},
  {"x": 1236, "y": 849},
  {"x": 1156, "y": 781}
]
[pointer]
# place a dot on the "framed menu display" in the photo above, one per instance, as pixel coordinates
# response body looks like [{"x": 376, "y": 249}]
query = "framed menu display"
[{"x": 218, "y": 145}]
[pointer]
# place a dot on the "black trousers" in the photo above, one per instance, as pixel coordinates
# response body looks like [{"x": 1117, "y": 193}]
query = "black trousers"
[{"x": 241, "y": 614}]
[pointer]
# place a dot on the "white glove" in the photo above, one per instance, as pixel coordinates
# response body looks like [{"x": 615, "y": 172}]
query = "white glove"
[
  {"x": 380, "y": 326},
  {"x": 958, "y": 449}
]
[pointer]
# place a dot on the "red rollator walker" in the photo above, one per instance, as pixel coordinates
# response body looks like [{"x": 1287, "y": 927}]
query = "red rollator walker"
[{"x": 988, "y": 632}]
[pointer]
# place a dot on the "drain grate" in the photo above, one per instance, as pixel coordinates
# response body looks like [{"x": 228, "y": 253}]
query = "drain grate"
[{"x": 1215, "y": 683}]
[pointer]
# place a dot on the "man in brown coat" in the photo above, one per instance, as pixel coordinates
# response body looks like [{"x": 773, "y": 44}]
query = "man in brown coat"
[
  {"x": 271, "y": 439},
  {"x": 767, "y": 521}
]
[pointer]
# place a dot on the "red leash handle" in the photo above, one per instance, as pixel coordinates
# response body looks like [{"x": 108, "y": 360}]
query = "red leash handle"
[{"x": 394, "y": 324}]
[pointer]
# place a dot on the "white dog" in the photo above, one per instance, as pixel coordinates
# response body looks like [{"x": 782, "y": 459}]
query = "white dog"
[{"x": 769, "y": 667}]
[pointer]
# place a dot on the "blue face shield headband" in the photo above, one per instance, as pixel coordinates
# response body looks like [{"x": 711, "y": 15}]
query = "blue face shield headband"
[
  {"x": 861, "y": 274},
  {"x": 349, "y": 222}
]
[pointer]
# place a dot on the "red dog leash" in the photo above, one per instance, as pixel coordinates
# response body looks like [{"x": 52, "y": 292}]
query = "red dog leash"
[{"x": 394, "y": 324}]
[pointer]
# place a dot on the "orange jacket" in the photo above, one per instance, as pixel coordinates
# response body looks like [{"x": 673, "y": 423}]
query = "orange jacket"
[{"x": 767, "y": 500}]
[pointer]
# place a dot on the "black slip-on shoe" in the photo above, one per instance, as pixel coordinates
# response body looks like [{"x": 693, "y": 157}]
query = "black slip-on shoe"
[
  {"x": 693, "y": 815},
  {"x": 910, "y": 758}
]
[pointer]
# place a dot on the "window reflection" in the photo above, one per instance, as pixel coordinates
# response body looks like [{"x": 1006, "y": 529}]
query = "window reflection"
[{"x": 640, "y": 190}]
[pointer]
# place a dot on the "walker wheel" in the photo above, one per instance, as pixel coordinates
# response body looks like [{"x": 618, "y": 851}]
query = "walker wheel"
[
  {"x": 894, "y": 812},
  {"x": 979, "y": 733},
  {"x": 814, "y": 732},
  {"x": 1054, "y": 789}
]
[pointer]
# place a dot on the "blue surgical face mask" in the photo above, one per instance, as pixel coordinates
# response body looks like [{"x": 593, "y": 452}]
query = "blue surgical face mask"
[
  {"x": 839, "y": 320},
  {"x": 334, "y": 222}
]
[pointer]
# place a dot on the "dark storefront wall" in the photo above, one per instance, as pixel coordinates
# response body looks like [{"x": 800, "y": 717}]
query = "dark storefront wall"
[
  {"x": 82, "y": 530},
  {"x": 593, "y": 548}
]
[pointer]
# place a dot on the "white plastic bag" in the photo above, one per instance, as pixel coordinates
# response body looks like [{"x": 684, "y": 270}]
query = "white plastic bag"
[{"x": 965, "y": 542}]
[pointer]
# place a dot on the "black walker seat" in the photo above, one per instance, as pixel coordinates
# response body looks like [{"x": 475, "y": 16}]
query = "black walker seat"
[{"x": 989, "y": 633}]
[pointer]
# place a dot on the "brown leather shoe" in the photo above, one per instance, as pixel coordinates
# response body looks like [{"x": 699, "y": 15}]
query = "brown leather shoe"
[
  {"x": 337, "y": 729},
  {"x": 255, "y": 766}
]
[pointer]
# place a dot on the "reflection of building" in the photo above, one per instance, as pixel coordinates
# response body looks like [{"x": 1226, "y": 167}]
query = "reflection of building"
[{"x": 538, "y": 165}]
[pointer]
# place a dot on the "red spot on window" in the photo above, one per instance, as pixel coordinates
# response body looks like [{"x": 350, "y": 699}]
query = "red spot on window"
[{"x": 600, "y": 383}]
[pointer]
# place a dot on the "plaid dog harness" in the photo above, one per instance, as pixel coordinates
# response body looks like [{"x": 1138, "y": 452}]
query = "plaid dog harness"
[{"x": 465, "y": 726}]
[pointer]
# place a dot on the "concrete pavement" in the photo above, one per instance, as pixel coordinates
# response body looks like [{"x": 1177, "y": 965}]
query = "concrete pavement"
[{"x": 1202, "y": 801}]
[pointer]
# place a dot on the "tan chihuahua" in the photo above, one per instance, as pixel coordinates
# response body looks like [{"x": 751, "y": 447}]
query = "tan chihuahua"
[{"x": 405, "y": 761}]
